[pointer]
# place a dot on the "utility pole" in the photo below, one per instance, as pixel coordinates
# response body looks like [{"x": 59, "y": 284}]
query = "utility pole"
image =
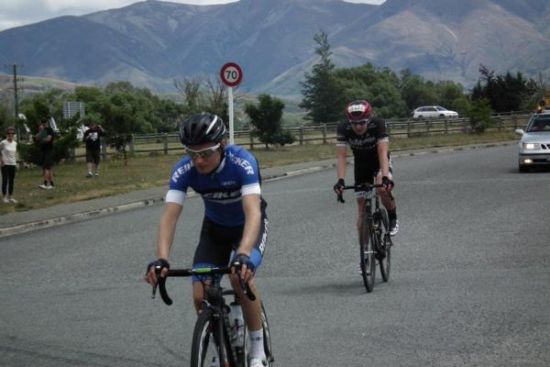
[
  {"x": 15, "y": 97},
  {"x": 16, "y": 100}
]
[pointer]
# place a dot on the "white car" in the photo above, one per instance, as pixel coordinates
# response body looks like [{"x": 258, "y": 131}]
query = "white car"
[
  {"x": 534, "y": 145},
  {"x": 433, "y": 112}
]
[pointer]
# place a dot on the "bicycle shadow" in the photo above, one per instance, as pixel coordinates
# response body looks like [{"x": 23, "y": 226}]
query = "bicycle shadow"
[{"x": 336, "y": 287}]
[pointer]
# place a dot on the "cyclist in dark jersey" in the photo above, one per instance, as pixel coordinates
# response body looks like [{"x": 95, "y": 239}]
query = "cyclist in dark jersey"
[
  {"x": 228, "y": 179},
  {"x": 368, "y": 139}
]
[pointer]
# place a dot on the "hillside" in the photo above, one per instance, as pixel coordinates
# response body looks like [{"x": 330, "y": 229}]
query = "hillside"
[{"x": 153, "y": 43}]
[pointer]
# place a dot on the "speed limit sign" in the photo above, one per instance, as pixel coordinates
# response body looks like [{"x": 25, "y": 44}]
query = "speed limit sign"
[{"x": 231, "y": 74}]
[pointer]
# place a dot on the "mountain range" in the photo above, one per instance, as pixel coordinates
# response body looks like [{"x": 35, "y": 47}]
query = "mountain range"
[{"x": 152, "y": 43}]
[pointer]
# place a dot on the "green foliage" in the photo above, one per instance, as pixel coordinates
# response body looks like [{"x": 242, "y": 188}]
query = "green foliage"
[
  {"x": 321, "y": 90},
  {"x": 480, "y": 115},
  {"x": 63, "y": 145},
  {"x": 378, "y": 86},
  {"x": 266, "y": 119},
  {"x": 505, "y": 92}
]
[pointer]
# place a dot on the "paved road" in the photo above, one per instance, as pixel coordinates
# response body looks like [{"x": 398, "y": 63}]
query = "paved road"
[{"x": 470, "y": 280}]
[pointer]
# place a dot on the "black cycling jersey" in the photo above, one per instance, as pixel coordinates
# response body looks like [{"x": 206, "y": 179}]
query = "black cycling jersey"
[{"x": 364, "y": 147}]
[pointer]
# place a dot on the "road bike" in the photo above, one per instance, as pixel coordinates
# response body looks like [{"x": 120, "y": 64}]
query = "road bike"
[
  {"x": 220, "y": 332},
  {"x": 374, "y": 236}
]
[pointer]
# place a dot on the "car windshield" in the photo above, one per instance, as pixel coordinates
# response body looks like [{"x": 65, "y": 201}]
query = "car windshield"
[{"x": 541, "y": 124}]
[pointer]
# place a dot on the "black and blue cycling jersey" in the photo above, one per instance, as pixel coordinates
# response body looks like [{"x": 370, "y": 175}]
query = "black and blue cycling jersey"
[{"x": 222, "y": 190}]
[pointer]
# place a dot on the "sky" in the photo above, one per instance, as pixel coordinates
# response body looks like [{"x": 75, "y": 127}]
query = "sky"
[{"x": 14, "y": 13}]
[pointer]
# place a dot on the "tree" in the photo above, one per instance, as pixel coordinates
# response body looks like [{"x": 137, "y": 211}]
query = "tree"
[
  {"x": 321, "y": 92},
  {"x": 266, "y": 118},
  {"x": 504, "y": 92},
  {"x": 201, "y": 95},
  {"x": 379, "y": 86}
]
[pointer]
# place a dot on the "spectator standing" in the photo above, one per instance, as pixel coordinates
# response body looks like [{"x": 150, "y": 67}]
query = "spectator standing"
[
  {"x": 44, "y": 138},
  {"x": 92, "y": 138},
  {"x": 8, "y": 161}
]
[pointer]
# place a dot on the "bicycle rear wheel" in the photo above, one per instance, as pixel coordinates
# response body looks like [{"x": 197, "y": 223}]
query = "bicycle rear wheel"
[
  {"x": 205, "y": 347},
  {"x": 368, "y": 262},
  {"x": 384, "y": 248}
]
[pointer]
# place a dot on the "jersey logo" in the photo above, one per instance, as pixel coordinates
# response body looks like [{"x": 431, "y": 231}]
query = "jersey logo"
[
  {"x": 221, "y": 195},
  {"x": 243, "y": 163},
  {"x": 180, "y": 171}
]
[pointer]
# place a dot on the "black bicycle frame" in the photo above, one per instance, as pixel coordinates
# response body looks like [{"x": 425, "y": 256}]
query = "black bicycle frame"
[{"x": 215, "y": 302}]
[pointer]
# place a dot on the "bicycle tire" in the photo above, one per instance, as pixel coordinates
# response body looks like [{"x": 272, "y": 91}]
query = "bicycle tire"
[
  {"x": 385, "y": 247},
  {"x": 368, "y": 262},
  {"x": 204, "y": 348},
  {"x": 267, "y": 338}
]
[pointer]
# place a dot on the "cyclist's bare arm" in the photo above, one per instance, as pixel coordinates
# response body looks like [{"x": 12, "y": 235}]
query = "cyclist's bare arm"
[
  {"x": 252, "y": 222},
  {"x": 382, "y": 148},
  {"x": 341, "y": 161},
  {"x": 165, "y": 237},
  {"x": 253, "y": 219}
]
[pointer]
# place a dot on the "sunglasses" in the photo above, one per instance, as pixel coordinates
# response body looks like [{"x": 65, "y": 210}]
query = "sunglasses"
[
  {"x": 203, "y": 153},
  {"x": 359, "y": 123}
]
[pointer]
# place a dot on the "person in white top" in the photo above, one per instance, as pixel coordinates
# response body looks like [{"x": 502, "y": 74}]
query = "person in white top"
[{"x": 8, "y": 161}]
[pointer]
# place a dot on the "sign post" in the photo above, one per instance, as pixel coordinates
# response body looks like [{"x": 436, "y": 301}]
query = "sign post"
[{"x": 231, "y": 75}]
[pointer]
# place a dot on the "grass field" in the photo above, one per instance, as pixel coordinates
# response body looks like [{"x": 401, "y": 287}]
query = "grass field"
[{"x": 147, "y": 171}]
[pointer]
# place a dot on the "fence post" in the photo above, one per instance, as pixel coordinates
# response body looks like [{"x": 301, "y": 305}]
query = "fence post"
[
  {"x": 72, "y": 155},
  {"x": 103, "y": 149},
  {"x": 446, "y": 127},
  {"x": 324, "y": 133},
  {"x": 301, "y": 135},
  {"x": 409, "y": 128},
  {"x": 515, "y": 121},
  {"x": 427, "y": 127},
  {"x": 132, "y": 138},
  {"x": 465, "y": 126},
  {"x": 165, "y": 143},
  {"x": 251, "y": 138}
]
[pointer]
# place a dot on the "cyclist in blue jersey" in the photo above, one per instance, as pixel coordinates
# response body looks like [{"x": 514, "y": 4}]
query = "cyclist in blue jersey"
[{"x": 228, "y": 179}]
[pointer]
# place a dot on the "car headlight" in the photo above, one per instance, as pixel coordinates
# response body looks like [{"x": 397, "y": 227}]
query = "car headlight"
[{"x": 531, "y": 146}]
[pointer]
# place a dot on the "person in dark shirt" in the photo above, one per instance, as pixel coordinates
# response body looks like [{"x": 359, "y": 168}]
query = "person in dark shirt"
[
  {"x": 368, "y": 139},
  {"x": 92, "y": 138},
  {"x": 45, "y": 138}
]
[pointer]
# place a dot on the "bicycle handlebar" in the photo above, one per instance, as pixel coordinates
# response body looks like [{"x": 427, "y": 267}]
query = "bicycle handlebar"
[
  {"x": 363, "y": 187},
  {"x": 199, "y": 271}
]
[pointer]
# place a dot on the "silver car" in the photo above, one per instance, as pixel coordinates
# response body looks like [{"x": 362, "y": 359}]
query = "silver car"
[
  {"x": 433, "y": 112},
  {"x": 534, "y": 145}
]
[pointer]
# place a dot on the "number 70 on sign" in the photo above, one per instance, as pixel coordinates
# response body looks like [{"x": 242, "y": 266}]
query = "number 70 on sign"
[{"x": 231, "y": 74}]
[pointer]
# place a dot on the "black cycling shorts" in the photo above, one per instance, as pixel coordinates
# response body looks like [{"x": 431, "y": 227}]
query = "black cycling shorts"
[
  {"x": 217, "y": 242},
  {"x": 364, "y": 171}
]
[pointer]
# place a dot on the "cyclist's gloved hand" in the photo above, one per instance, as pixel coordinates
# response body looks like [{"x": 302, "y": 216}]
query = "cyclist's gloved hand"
[
  {"x": 339, "y": 186},
  {"x": 238, "y": 263},
  {"x": 242, "y": 259},
  {"x": 154, "y": 269},
  {"x": 388, "y": 184}
]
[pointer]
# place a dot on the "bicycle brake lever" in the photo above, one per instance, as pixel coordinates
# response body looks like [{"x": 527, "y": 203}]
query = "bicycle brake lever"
[
  {"x": 246, "y": 289},
  {"x": 340, "y": 198},
  {"x": 154, "y": 290}
]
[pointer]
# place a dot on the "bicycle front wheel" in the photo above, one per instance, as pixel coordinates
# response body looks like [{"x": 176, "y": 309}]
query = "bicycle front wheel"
[
  {"x": 368, "y": 262},
  {"x": 384, "y": 250},
  {"x": 206, "y": 346},
  {"x": 267, "y": 338}
]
